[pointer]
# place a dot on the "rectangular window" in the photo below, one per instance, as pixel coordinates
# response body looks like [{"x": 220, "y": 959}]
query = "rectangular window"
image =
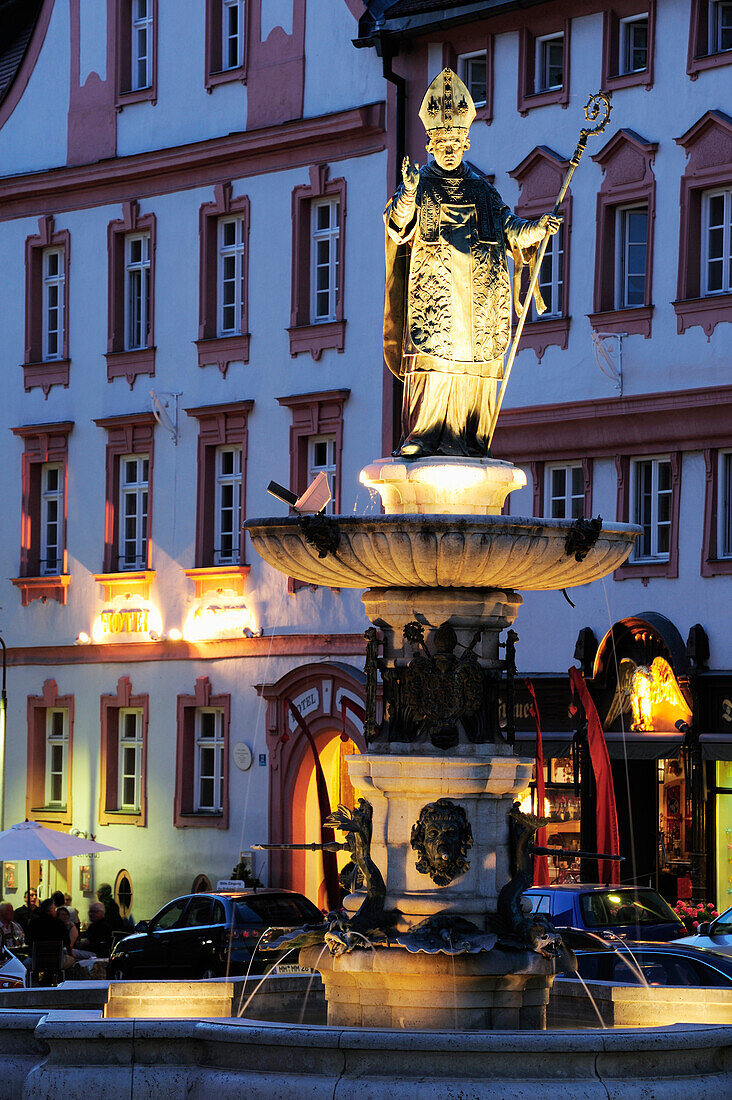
[
  {"x": 566, "y": 492},
  {"x": 133, "y": 511},
  {"x": 720, "y": 27},
  {"x": 724, "y": 510},
  {"x": 324, "y": 259},
  {"x": 472, "y": 69},
  {"x": 551, "y": 278},
  {"x": 142, "y": 42},
  {"x": 652, "y": 493},
  {"x": 52, "y": 503},
  {"x": 631, "y": 236},
  {"x": 129, "y": 764},
  {"x": 232, "y": 275},
  {"x": 549, "y": 63},
  {"x": 137, "y": 290},
  {"x": 634, "y": 44},
  {"x": 717, "y": 242},
  {"x": 228, "y": 505},
  {"x": 57, "y": 748},
  {"x": 232, "y": 34},
  {"x": 209, "y": 761},
  {"x": 53, "y": 302},
  {"x": 322, "y": 459}
]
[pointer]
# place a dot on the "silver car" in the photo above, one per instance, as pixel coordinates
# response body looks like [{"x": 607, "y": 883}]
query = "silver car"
[{"x": 717, "y": 935}]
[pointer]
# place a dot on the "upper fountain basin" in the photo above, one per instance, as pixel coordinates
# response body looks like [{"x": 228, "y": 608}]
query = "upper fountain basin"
[{"x": 419, "y": 551}]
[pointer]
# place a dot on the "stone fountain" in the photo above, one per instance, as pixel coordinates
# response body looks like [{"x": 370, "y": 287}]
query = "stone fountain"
[{"x": 435, "y": 935}]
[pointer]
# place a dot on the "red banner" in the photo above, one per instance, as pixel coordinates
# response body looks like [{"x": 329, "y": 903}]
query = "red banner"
[
  {"x": 607, "y": 818},
  {"x": 330, "y": 862},
  {"x": 541, "y": 863}
]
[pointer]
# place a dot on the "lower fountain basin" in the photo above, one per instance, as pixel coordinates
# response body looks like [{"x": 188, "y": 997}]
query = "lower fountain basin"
[{"x": 417, "y": 551}]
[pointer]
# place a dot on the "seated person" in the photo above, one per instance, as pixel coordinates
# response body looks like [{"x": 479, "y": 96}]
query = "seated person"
[
  {"x": 97, "y": 937},
  {"x": 64, "y": 914},
  {"x": 11, "y": 933},
  {"x": 29, "y": 909},
  {"x": 47, "y": 928}
]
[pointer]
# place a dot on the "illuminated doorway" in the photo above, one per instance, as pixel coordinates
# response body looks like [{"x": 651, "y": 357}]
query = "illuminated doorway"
[{"x": 340, "y": 792}]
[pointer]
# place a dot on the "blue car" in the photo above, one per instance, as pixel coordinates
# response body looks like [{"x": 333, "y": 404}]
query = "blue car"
[{"x": 626, "y": 911}]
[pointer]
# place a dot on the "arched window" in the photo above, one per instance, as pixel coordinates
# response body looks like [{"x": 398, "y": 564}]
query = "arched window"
[{"x": 123, "y": 892}]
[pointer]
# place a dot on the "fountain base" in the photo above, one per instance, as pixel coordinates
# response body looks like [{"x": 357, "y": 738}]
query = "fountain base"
[
  {"x": 389, "y": 987},
  {"x": 450, "y": 486}
]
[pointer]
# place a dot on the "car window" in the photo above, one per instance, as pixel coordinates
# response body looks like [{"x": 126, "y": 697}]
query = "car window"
[
  {"x": 219, "y": 913},
  {"x": 198, "y": 913},
  {"x": 602, "y": 909},
  {"x": 284, "y": 909},
  {"x": 245, "y": 915},
  {"x": 169, "y": 917},
  {"x": 723, "y": 924},
  {"x": 539, "y": 903}
]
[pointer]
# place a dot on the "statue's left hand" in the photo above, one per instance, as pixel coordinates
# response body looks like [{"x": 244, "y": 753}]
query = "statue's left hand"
[{"x": 549, "y": 223}]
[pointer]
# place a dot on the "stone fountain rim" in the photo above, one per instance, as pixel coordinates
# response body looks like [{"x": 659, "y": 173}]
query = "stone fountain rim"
[{"x": 559, "y": 527}]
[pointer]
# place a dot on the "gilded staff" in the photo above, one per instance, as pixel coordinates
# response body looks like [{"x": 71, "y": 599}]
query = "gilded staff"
[{"x": 592, "y": 110}]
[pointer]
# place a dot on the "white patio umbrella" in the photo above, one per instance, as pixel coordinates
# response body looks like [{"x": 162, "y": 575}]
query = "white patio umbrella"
[{"x": 28, "y": 840}]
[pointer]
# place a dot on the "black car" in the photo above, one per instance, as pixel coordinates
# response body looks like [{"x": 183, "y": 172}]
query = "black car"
[
  {"x": 648, "y": 963},
  {"x": 210, "y": 935}
]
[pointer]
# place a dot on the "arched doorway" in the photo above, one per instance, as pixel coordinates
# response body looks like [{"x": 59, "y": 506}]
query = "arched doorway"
[{"x": 317, "y": 690}]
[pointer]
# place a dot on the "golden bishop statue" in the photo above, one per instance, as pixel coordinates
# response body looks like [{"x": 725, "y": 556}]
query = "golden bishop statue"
[{"x": 447, "y": 312}]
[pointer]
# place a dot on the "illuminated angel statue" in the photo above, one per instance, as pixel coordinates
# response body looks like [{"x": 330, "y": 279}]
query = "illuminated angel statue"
[{"x": 652, "y": 695}]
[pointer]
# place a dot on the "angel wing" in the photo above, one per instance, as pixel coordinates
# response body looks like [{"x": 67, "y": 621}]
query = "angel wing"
[
  {"x": 667, "y": 689},
  {"x": 621, "y": 703}
]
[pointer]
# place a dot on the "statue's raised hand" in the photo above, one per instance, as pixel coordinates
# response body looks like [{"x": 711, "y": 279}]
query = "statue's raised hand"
[
  {"x": 549, "y": 223},
  {"x": 410, "y": 174}
]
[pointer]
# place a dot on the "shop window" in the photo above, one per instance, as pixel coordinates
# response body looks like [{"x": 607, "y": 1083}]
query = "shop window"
[
  {"x": 565, "y": 492},
  {"x": 50, "y": 736},
  {"x": 717, "y": 542},
  {"x": 316, "y": 435},
  {"x": 705, "y": 248},
  {"x": 544, "y": 63},
  {"x": 128, "y": 510},
  {"x": 202, "y": 759},
  {"x": 221, "y": 497},
  {"x": 43, "y": 563},
  {"x": 124, "y": 727},
  {"x": 226, "y": 41},
  {"x": 649, "y": 491},
  {"x": 473, "y": 71},
  {"x": 136, "y": 51},
  {"x": 540, "y": 176},
  {"x": 710, "y": 36},
  {"x": 628, "y": 44},
  {"x": 318, "y": 252},
  {"x": 624, "y": 248},
  {"x": 131, "y": 295},
  {"x": 223, "y": 335},
  {"x": 123, "y": 893},
  {"x": 46, "y": 360}
]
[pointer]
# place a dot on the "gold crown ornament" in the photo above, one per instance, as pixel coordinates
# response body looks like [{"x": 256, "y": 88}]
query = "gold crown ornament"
[{"x": 447, "y": 104}]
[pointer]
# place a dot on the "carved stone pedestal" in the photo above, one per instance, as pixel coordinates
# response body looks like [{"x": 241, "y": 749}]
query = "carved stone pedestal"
[
  {"x": 391, "y": 987},
  {"x": 448, "y": 486}
]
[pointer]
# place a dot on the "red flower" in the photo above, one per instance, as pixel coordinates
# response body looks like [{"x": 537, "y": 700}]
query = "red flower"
[{"x": 695, "y": 924}]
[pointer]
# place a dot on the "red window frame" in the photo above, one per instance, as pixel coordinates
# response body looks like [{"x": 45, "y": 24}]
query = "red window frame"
[
  {"x": 183, "y": 813},
  {"x": 214, "y": 73},
  {"x": 646, "y": 569},
  {"x": 35, "y": 797},
  {"x": 122, "y": 363},
  {"x": 711, "y": 565},
  {"x": 304, "y": 334},
  {"x": 538, "y": 481},
  {"x": 527, "y": 97},
  {"x": 699, "y": 58},
  {"x": 212, "y": 348},
  {"x": 110, "y": 706},
  {"x": 612, "y": 78},
  {"x": 628, "y": 178},
  {"x": 132, "y": 434},
  {"x": 37, "y": 371},
  {"x": 125, "y": 94},
  {"x": 43, "y": 443}
]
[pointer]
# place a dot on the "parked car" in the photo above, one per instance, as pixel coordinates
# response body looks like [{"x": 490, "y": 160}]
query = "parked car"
[
  {"x": 716, "y": 935},
  {"x": 637, "y": 914},
  {"x": 13, "y": 974},
  {"x": 650, "y": 963},
  {"x": 209, "y": 935}
]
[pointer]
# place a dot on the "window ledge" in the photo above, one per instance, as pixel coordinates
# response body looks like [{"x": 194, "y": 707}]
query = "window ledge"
[
  {"x": 221, "y": 351},
  {"x": 129, "y": 364},
  {"x": 43, "y": 588},
  {"x": 705, "y": 312},
  {"x": 539, "y": 334},
  {"x": 126, "y": 583},
  {"x": 138, "y": 95},
  {"x": 50, "y": 372},
  {"x": 59, "y": 815},
  {"x": 201, "y": 820},
  {"x": 635, "y": 321},
  {"x": 643, "y": 570},
  {"x": 629, "y": 80},
  {"x": 218, "y": 578},
  {"x": 543, "y": 99},
  {"x": 317, "y": 338},
  {"x": 226, "y": 76},
  {"x": 122, "y": 817},
  {"x": 708, "y": 61},
  {"x": 716, "y": 567}
]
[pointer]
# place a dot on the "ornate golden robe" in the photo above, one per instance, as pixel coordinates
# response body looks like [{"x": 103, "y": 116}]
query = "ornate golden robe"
[{"x": 447, "y": 314}]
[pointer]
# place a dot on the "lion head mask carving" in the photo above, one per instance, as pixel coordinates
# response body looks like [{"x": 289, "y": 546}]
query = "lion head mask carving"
[{"x": 442, "y": 837}]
